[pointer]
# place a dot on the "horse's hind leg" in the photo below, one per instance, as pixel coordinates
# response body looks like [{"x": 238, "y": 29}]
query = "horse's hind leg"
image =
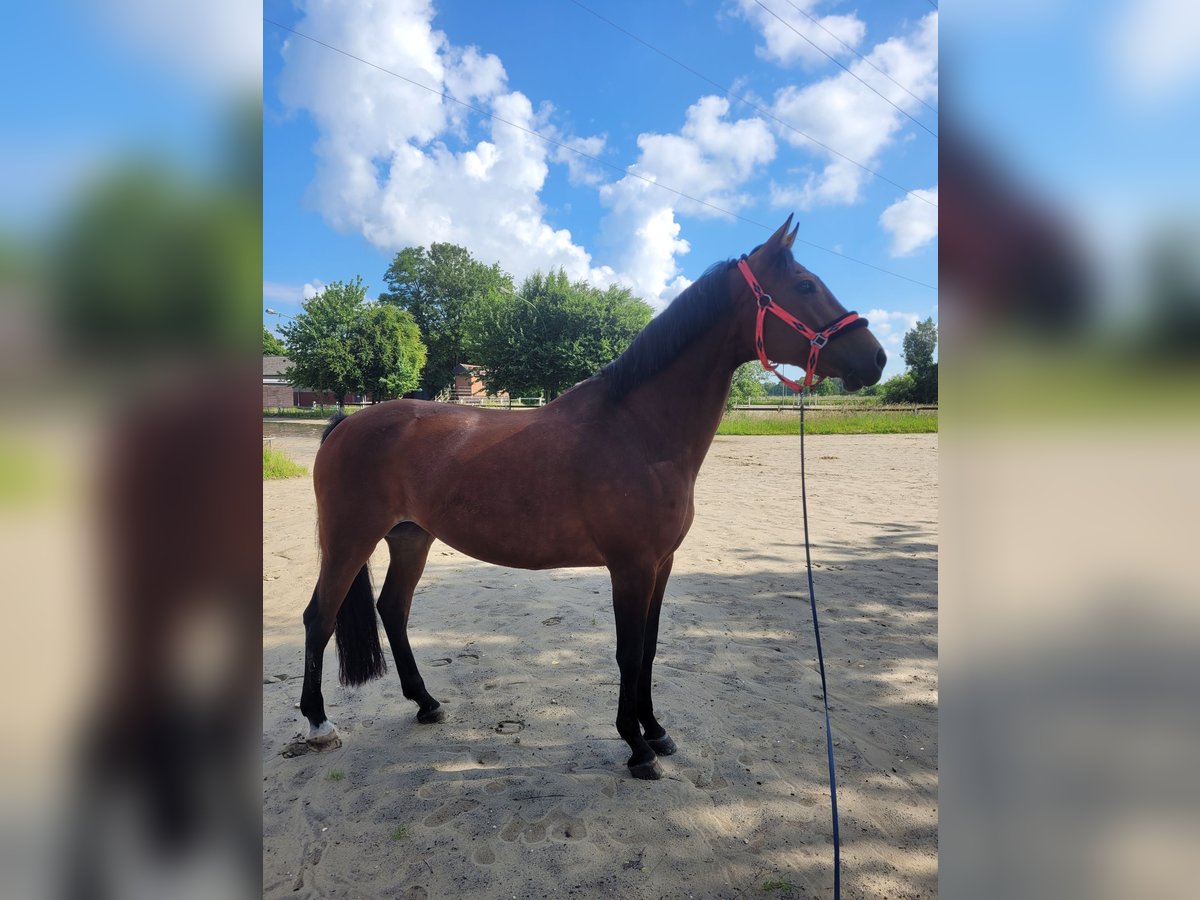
[
  {"x": 339, "y": 574},
  {"x": 656, "y": 736},
  {"x": 409, "y": 546}
]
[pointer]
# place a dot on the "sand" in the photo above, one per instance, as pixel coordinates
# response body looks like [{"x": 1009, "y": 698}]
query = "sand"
[{"x": 523, "y": 791}]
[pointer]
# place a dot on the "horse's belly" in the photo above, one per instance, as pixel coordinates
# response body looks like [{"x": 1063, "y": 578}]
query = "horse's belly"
[
  {"x": 515, "y": 535},
  {"x": 520, "y": 550}
]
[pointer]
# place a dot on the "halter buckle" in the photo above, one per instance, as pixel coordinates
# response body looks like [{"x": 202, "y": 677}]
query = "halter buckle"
[{"x": 820, "y": 339}]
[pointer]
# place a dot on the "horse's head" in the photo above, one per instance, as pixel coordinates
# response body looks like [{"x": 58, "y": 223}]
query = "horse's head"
[{"x": 852, "y": 353}]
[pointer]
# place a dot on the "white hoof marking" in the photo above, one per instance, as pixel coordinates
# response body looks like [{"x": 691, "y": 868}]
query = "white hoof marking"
[{"x": 322, "y": 734}]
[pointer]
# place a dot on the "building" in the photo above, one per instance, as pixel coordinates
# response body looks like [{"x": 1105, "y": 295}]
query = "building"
[
  {"x": 278, "y": 392},
  {"x": 468, "y": 387}
]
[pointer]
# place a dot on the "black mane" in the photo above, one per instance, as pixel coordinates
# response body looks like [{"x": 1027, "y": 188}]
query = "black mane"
[{"x": 669, "y": 333}]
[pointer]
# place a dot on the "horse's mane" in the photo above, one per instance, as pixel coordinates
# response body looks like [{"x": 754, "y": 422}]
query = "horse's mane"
[{"x": 669, "y": 333}]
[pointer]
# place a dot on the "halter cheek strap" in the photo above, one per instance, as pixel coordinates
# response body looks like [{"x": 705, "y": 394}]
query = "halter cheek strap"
[{"x": 817, "y": 338}]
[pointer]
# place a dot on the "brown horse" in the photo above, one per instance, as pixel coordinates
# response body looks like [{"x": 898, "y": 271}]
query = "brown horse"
[{"x": 603, "y": 476}]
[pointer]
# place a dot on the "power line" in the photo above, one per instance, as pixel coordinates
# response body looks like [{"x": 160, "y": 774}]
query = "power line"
[
  {"x": 912, "y": 118},
  {"x": 755, "y": 106},
  {"x": 623, "y": 170},
  {"x": 817, "y": 22}
]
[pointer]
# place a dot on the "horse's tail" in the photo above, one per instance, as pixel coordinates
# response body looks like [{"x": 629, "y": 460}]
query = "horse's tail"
[
  {"x": 360, "y": 657},
  {"x": 334, "y": 421}
]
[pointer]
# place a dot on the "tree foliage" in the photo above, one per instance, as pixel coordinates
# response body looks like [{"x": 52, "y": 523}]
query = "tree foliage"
[
  {"x": 389, "y": 351},
  {"x": 437, "y": 287},
  {"x": 550, "y": 335},
  {"x": 343, "y": 344},
  {"x": 919, "y": 343},
  {"x": 899, "y": 389},
  {"x": 150, "y": 262},
  {"x": 920, "y": 383},
  {"x": 272, "y": 346},
  {"x": 749, "y": 383},
  {"x": 776, "y": 388}
]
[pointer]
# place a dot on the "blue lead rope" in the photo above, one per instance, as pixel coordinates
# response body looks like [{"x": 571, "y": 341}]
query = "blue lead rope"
[{"x": 812, "y": 600}]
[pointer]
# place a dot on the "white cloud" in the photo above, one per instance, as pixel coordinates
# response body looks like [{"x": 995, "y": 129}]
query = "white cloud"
[
  {"x": 889, "y": 328},
  {"x": 790, "y": 37},
  {"x": 1151, "y": 46},
  {"x": 709, "y": 159},
  {"x": 911, "y": 221},
  {"x": 844, "y": 114},
  {"x": 280, "y": 292},
  {"x": 215, "y": 45},
  {"x": 580, "y": 170},
  {"x": 385, "y": 163}
]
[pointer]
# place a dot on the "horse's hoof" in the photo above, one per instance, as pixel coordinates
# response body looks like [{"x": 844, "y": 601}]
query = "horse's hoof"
[
  {"x": 649, "y": 771},
  {"x": 663, "y": 746},
  {"x": 431, "y": 716},
  {"x": 320, "y": 736}
]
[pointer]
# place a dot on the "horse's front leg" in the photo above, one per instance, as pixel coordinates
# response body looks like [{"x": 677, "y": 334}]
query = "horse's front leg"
[
  {"x": 656, "y": 736},
  {"x": 633, "y": 587}
]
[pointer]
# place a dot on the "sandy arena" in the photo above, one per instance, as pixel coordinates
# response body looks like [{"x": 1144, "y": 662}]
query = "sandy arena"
[{"x": 523, "y": 791}]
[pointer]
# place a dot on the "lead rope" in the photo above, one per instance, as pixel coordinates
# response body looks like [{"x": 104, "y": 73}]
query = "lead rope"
[{"x": 812, "y": 600}]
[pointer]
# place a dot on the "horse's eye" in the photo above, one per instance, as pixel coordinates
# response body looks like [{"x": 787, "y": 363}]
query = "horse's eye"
[{"x": 806, "y": 287}]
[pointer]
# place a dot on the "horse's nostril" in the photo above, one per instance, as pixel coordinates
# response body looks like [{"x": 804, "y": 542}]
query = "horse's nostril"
[{"x": 881, "y": 359}]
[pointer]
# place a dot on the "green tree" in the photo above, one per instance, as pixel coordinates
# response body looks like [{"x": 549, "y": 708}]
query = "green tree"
[
  {"x": 919, "y": 343},
  {"x": 437, "y": 287},
  {"x": 773, "y": 387},
  {"x": 272, "y": 346},
  {"x": 552, "y": 334},
  {"x": 320, "y": 341},
  {"x": 150, "y": 262},
  {"x": 389, "y": 351},
  {"x": 749, "y": 383},
  {"x": 343, "y": 344},
  {"x": 899, "y": 389}
]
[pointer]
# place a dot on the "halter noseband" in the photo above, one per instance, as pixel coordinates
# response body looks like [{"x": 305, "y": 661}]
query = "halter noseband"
[{"x": 817, "y": 338}]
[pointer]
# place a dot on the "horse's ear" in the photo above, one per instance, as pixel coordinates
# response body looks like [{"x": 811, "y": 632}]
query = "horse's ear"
[
  {"x": 779, "y": 240},
  {"x": 791, "y": 238}
]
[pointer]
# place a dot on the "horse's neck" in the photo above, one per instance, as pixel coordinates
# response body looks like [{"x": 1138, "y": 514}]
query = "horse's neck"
[{"x": 683, "y": 404}]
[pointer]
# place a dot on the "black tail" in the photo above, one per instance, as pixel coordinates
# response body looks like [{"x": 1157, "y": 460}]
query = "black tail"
[
  {"x": 334, "y": 421},
  {"x": 360, "y": 657}
]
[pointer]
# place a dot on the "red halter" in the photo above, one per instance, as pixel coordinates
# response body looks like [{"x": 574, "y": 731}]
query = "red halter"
[{"x": 817, "y": 339}]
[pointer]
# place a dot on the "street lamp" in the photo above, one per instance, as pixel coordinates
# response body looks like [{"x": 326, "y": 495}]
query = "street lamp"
[{"x": 275, "y": 312}]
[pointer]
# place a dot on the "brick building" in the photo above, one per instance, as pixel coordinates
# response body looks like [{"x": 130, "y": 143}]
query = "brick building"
[{"x": 279, "y": 392}]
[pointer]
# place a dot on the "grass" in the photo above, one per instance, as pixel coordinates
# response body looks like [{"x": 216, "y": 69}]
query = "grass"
[
  {"x": 26, "y": 477},
  {"x": 336, "y": 775},
  {"x": 277, "y": 465},
  {"x": 871, "y": 422},
  {"x": 400, "y": 833}
]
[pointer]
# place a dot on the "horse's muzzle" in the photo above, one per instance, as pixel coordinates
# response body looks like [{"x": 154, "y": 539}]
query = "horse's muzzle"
[{"x": 864, "y": 376}]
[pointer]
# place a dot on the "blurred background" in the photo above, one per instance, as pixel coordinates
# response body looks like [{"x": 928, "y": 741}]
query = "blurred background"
[
  {"x": 1070, "y": 324},
  {"x": 130, "y": 270}
]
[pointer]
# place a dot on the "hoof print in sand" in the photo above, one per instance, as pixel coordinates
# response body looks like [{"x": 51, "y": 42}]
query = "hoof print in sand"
[
  {"x": 449, "y": 811},
  {"x": 300, "y": 746}
]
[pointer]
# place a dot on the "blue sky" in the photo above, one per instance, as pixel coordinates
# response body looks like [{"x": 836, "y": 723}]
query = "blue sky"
[{"x": 359, "y": 164}]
